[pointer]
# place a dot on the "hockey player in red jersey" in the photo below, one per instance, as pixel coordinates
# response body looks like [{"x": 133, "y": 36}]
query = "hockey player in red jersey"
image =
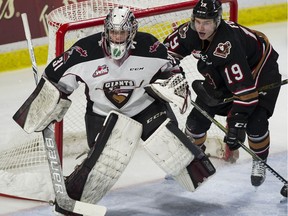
[
  {"x": 129, "y": 79},
  {"x": 234, "y": 61}
]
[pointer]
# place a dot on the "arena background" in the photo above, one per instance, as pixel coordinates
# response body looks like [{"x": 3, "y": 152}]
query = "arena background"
[{"x": 14, "y": 54}]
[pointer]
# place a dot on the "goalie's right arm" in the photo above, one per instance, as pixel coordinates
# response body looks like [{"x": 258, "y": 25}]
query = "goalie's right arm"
[{"x": 45, "y": 105}]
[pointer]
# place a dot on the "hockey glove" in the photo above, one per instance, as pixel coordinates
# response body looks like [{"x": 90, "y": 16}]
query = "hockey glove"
[
  {"x": 175, "y": 90},
  {"x": 236, "y": 131}
]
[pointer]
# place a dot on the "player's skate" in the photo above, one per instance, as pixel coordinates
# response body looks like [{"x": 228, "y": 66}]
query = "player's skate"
[{"x": 258, "y": 174}]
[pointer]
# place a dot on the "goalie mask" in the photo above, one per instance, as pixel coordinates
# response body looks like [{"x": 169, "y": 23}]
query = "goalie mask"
[
  {"x": 120, "y": 28},
  {"x": 207, "y": 9}
]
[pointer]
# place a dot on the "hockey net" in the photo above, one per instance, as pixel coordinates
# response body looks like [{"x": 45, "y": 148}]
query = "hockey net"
[{"x": 68, "y": 24}]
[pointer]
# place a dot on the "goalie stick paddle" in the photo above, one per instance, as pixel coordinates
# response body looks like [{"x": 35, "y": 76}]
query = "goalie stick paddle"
[
  {"x": 61, "y": 196},
  {"x": 211, "y": 101},
  {"x": 283, "y": 191}
]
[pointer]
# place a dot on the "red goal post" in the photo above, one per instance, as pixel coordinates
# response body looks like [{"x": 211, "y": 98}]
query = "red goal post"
[{"x": 169, "y": 8}]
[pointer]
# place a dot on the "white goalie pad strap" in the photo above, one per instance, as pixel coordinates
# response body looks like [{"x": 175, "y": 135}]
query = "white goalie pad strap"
[
  {"x": 114, "y": 158},
  {"x": 44, "y": 106},
  {"x": 173, "y": 90},
  {"x": 167, "y": 151}
]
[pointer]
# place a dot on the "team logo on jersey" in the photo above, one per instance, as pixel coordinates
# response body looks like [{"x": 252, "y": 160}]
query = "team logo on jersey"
[
  {"x": 101, "y": 70},
  {"x": 68, "y": 53},
  {"x": 119, "y": 92},
  {"x": 223, "y": 49},
  {"x": 154, "y": 47}
]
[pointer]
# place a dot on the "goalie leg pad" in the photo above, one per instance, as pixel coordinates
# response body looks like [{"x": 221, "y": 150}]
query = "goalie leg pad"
[
  {"x": 43, "y": 106},
  {"x": 76, "y": 181},
  {"x": 114, "y": 158},
  {"x": 167, "y": 151},
  {"x": 199, "y": 169}
]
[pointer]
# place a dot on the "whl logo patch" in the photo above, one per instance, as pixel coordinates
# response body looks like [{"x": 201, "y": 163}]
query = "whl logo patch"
[{"x": 101, "y": 70}]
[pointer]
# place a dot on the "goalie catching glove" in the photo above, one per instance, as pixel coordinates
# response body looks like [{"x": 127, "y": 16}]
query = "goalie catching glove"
[
  {"x": 175, "y": 90},
  {"x": 44, "y": 106}
]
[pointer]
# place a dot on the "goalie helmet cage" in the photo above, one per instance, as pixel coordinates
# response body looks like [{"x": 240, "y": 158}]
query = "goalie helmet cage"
[{"x": 66, "y": 25}]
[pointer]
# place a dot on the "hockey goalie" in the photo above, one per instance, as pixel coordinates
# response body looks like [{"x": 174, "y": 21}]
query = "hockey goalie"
[{"x": 130, "y": 81}]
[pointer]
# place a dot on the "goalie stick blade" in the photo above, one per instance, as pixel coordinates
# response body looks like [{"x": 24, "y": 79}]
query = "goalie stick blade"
[
  {"x": 88, "y": 209},
  {"x": 69, "y": 205}
]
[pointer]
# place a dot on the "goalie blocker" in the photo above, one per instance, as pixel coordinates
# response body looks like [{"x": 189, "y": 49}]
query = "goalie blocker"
[{"x": 44, "y": 106}]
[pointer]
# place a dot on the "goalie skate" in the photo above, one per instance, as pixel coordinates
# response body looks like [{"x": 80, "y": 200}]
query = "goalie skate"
[{"x": 215, "y": 148}]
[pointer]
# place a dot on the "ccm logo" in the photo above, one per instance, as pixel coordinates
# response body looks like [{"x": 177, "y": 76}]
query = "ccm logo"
[
  {"x": 137, "y": 69},
  {"x": 155, "y": 116},
  {"x": 240, "y": 125}
]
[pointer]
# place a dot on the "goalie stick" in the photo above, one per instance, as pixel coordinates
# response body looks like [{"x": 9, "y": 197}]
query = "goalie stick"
[
  {"x": 283, "y": 191},
  {"x": 61, "y": 196},
  {"x": 211, "y": 101}
]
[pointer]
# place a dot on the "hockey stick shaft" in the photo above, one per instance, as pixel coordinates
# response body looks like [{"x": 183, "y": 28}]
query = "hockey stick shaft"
[
  {"x": 263, "y": 89},
  {"x": 30, "y": 46},
  {"x": 62, "y": 198},
  {"x": 221, "y": 127},
  {"x": 211, "y": 101}
]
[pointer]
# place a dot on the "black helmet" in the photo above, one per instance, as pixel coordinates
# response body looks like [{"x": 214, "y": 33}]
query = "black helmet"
[{"x": 207, "y": 9}]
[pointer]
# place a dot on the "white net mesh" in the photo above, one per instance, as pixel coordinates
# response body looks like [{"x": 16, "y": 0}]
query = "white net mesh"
[{"x": 80, "y": 20}]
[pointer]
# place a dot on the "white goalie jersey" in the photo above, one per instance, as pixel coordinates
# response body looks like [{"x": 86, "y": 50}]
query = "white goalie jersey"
[{"x": 111, "y": 85}]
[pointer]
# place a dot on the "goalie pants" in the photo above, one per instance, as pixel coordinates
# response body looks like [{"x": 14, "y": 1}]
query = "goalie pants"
[{"x": 151, "y": 118}]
